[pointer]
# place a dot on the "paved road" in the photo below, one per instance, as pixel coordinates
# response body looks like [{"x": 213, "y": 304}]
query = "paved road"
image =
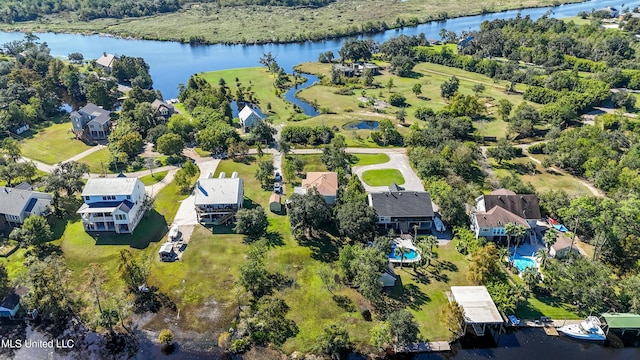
[{"x": 398, "y": 161}]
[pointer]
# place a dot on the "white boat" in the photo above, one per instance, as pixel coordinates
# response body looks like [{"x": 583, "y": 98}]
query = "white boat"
[
  {"x": 174, "y": 233},
  {"x": 439, "y": 224},
  {"x": 589, "y": 329}
]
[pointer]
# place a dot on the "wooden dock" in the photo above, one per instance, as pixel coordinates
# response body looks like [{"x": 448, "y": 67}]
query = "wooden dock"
[
  {"x": 550, "y": 330},
  {"x": 422, "y": 347}
]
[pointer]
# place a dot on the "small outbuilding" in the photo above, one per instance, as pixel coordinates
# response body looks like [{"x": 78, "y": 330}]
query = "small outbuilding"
[
  {"x": 166, "y": 252},
  {"x": 388, "y": 277},
  {"x": 561, "y": 248},
  {"x": 275, "y": 203},
  {"x": 480, "y": 312}
]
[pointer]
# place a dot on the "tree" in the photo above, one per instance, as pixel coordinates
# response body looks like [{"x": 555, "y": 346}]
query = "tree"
[
  {"x": 531, "y": 277},
  {"x": 254, "y": 277},
  {"x": 397, "y": 100},
  {"x": 504, "y": 108},
  {"x": 520, "y": 232},
  {"x": 335, "y": 157},
  {"x": 509, "y": 229},
  {"x": 269, "y": 323},
  {"x": 502, "y": 151},
  {"x": 404, "y": 328},
  {"x": 50, "y": 290},
  {"x": 453, "y": 318},
  {"x": 449, "y": 87},
  {"x": 10, "y": 148},
  {"x": 356, "y": 219},
  {"x": 485, "y": 265},
  {"x": 524, "y": 119},
  {"x": 327, "y": 275},
  {"x": 550, "y": 237},
  {"x": 478, "y": 88},
  {"x": 380, "y": 335},
  {"x": 251, "y": 222},
  {"x": 326, "y": 57},
  {"x": 264, "y": 173},
  {"x": 308, "y": 212},
  {"x": 417, "y": 89},
  {"x": 4, "y": 280},
  {"x": 402, "y": 65},
  {"x": 262, "y": 132},
  {"x": 170, "y": 144},
  {"x": 166, "y": 336},
  {"x": 530, "y": 166},
  {"x": 182, "y": 125},
  {"x": 630, "y": 294},
  {"x": 402, "y": 252},
  {"x": 389, "y": 84},
  {"x": 35, "y": 231},
  {"x": 543, "y": 256},
  {"x": 355, "y": 50},
  {"x": 182, "y": 180},
  {"x": 76, "y": 57},
  {"x": 367, "y": 77},
  {"x": 216, "y": 137},
  {"x": 425, "y": 245},
  {"x": 334, "y": 341}
]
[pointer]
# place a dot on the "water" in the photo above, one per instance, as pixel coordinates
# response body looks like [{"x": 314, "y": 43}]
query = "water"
[
  {"x": 173, "y": 63},
  {"x": 411, "y": 255},
  {"x": 290, "y": 95},
  {"x": 361, "y": 125},
  {"x": 523, "y": 262}
]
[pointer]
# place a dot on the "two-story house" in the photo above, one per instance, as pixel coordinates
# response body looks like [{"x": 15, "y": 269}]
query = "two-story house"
[
  {"x": 218, "y": 200},
  {"x": 112, "y": 204},
  {"x": 106, "y": 61},
  {"x": 18, "y": 204},
  {"x": 248, "y": 118},
  {"x": 492, "y": 212},
  {"x": 402, "y": 209},
  {"x": 92, "y": 121},
  {"x": 325, "y": 182},
  {"x": 162, "y": 109}
]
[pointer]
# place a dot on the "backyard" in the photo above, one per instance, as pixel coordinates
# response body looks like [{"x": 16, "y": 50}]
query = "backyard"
[{"x": 52, "y": 144}]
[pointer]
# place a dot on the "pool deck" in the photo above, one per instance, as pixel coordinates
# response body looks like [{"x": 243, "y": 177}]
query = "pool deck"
[{"x": 406, "y": 243}]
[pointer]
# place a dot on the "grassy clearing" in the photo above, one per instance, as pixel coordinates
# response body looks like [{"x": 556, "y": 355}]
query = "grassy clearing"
[
  {"x": 98, "y": 161},
  {"x": 538, "y": 305},
  {"x": 382, "y": 177},
  {"x": 52, "y": 144},
  {"x": 370, "y": 159},
  {"x": 544, "y": 179},
  {"x": 249, "y": 24},
  {"x": 261, "y": 83},
  {"x": 154, "y": 179}
]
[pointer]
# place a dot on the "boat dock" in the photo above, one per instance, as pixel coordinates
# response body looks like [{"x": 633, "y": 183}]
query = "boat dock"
[
  {"x": 422, "y": 347},
  {"x": 551, "y": 331}
]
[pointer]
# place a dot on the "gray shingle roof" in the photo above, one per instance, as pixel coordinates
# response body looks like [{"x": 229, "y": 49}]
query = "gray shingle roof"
[
  {"x": 402, "y": 203},
  {"x": 498, "y": 217},
  {"x": 13, "y": 201},
  {"x": 109, "y": 186}
]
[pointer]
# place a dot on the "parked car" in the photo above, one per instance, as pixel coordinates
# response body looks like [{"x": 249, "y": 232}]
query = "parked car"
[
  {"x": 277, "y": 188},
  {"x": 278, "y": 177}
]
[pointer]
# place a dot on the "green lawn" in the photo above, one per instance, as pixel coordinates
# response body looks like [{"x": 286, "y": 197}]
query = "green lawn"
[
  {"x": 52, "y": 144},
  {"x": 261, "y": 83},
  {"x": 382, "y": 177},
  {"x": 544, "y": 179},
  {"x": 155, "y": 178},
  {"x": 98, "y": 161},
  {"x": 538, "y": 305},
  {"x": 369, "y": 159}
]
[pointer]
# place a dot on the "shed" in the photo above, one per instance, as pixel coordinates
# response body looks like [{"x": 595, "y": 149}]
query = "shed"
[
  {"x": 622, "y": 322},
  {"x": 275, "y": 203},
  {"x": 166, "y": 252},
  {"x": 561, "y": 247},
  {"x": 479, "y": 309}
]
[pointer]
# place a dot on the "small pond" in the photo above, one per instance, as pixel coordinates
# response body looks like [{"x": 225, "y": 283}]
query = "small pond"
[{"x": 361, "y": 125}]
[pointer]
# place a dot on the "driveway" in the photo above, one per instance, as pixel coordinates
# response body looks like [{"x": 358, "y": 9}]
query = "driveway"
[{"x": 399, "y": 161}]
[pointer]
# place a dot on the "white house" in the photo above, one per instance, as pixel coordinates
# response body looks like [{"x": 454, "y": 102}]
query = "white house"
[
  {"x": 106, "y": 62},
  {"x": 218, "y": 200},
  {"x": 112, "y": 204},
  {"x": 248, "y": 118},
  {"x": 503, "y": 206},
  {"x": 18, "y": 204}
]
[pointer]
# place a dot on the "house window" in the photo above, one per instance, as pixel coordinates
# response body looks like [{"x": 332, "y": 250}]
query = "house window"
[
  {"x": 128, "y": 197},
  {"x": 87, "y": 198},
  {"x": 108, "y": 197},
  {"x": 121, "y": 217}
]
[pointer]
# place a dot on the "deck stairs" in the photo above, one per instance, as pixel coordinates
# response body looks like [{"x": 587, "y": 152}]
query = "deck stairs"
[{"x": 478, "y": 329}]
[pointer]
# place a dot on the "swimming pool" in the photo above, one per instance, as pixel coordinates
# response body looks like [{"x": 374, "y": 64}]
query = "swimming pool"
[
  {"x": 523, "y": 262},
  {"x": 411, "y": 255}
]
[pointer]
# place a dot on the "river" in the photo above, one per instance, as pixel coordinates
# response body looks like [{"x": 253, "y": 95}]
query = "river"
[{"x": 173, "y": 63}]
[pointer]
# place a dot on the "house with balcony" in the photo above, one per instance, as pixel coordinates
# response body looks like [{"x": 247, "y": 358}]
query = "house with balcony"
[
  {"x": 112, "y": 204},
  {"x": 493, "y": 211},
  {"x": 218, "y": 200},
  {"x": 402, "y": 209},
  {"x": 17, "y": 204},
  {"x": 92, "y": 122},
  {"x": 162, "y": 109}
]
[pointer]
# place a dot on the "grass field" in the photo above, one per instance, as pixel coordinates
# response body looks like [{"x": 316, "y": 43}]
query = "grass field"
[
  {"x": 249, "y": 24},
  {"x": 261, "y": 83},
  {"x": 155, "y": 178},
  {"x": 544, "y": 179},
  {"x": 52, "y": 144},
  {"x": 382, "y": 177},
  {"x": 370, "y": 159},
  {"x": 98, "y": 161}
]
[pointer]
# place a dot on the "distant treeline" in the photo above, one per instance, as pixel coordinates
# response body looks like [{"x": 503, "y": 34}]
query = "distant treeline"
[{"x": 25, "y": 10}]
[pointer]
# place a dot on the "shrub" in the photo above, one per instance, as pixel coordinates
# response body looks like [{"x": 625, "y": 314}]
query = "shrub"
[
  {"x": 240, "y": 346},
  {"x": 536, "y": 148},
  {"x": 397, "y": 100}
]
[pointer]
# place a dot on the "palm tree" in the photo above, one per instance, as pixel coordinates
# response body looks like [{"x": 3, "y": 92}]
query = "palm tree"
[
  {"x": 549, "y": 238},
  {"x": 520, "y": 233},
  {"x": 503, "y": 253},
  {"x": 531, "y": 277},
  {"x": 426, "y": 245},
  {"x": 542, "y": 255},
  {"x": 401, "y": 251},
  {"x": 509, "y": 229}
]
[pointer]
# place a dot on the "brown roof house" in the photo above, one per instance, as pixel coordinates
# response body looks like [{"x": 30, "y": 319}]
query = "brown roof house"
[
  {"x": 561, "y": 247},
  {"x": 162, "y": 109},
  {"x": 492, "y": 212},
  {"x": 325, "y": 182},
  {"x": 106, "y": 62}
]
